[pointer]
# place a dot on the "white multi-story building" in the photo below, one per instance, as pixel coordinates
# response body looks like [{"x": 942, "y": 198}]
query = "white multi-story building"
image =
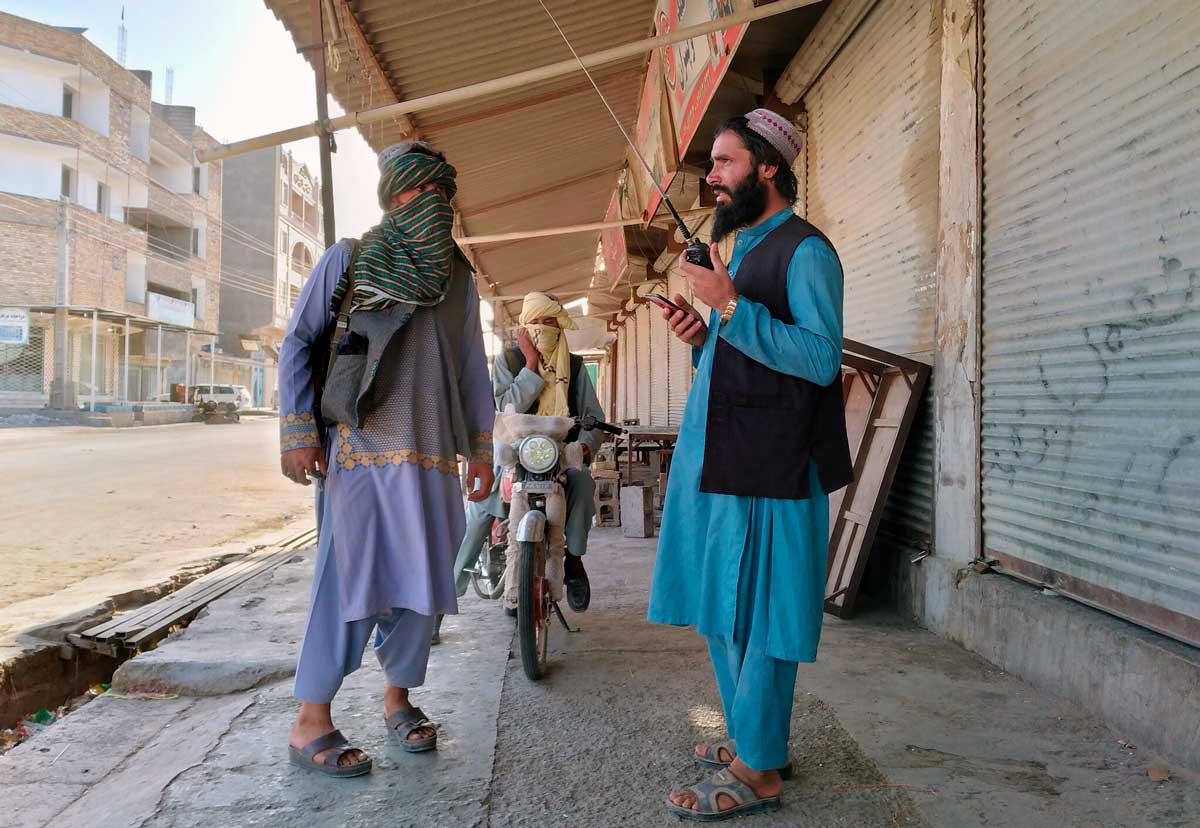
[
  {"x": 272, "y": 229},
  {"x": 109, "y": 227}
]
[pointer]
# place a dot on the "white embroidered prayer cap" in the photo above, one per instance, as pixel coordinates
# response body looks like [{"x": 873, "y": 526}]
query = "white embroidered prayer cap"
[{"x": 778, "y": 132}]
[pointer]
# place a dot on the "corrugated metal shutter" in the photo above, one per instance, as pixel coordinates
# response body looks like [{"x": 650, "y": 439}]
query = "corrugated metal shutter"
[
  {"x": 679, "y": 359},
  {"x": 872, "y": 187},
  {"x": 1091, "y": 301},
  {"x": 643, "y": 365},
  {"x": 619, "y": 366},
  {"x": 631, "y": 369},
  {"x": 660, "y": 369}
]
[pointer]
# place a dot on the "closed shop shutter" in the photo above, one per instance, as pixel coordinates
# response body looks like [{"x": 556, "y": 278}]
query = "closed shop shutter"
[
  {"x": 631, "y": 369},
  {"x": 619, "y": 366},
  {"x": 643, "y": 365},
  {"x": 1091, "y": 302},
  {"x": 679, "y": 359},
  {"x": 872, "y": 187},
  {"x": 659, "y": 367}
]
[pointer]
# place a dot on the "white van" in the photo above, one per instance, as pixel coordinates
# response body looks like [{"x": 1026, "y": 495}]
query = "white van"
[{"x": 236, "y": 394}]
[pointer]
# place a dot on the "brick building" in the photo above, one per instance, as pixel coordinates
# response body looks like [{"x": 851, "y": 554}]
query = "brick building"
[
  {"x": 272, "y": 230},
  {"x": 110, "y": 230}
]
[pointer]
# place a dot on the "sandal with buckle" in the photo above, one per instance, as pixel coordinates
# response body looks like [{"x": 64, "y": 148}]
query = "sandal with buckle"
[
  {"x": 723, "y": 783},
  {"x": 338, "y": 746},
  {"x": 712, "y": 757},
  {"x": 404, "y": 721}
]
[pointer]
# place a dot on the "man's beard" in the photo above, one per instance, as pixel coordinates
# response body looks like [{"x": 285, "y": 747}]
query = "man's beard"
[{"x": 746, "y": 204}]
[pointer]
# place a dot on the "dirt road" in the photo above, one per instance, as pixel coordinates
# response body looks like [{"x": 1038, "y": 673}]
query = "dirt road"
[{"x": 79, "y": 502}]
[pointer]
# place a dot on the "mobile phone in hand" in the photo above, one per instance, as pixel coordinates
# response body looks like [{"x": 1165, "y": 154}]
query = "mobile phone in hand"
[{"x": 665, "y": 303}]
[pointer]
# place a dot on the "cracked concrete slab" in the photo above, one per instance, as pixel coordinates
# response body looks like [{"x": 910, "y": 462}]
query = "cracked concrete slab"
[{"x": 243, "y": 640}]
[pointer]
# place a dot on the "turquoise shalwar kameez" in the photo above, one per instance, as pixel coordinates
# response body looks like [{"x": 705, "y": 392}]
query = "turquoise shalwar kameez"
[{"x": 749, "y": 572}]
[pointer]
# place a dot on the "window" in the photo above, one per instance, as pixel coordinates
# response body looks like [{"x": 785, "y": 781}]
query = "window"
[
  {"x": 195, "y": 241},
  {"x": 68, "y": 109},
  {"x": 101, "y": 199},
  {"x": 68, "y": 182},
  {"x": 196, "y": 180},
  {"x": 283, "y": 241}
]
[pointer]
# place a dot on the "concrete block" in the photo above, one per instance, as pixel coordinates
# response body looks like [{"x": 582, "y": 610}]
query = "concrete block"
[
  {"x": 637, "y": 511},
  {"x": 608, "y": 499},
  {"x": 167, "y": 416}
]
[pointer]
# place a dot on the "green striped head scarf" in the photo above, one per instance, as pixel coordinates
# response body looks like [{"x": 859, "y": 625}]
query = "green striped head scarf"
[{"x": 408, "y": 256}]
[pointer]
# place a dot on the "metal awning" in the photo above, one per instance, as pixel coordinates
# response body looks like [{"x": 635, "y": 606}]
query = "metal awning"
[
  {"x": 117, "y": 317},
  {"x": 544, "y": 155}
]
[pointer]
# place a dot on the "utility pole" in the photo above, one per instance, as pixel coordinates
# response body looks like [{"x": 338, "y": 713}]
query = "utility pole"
[{"x": 61, "y": 395}]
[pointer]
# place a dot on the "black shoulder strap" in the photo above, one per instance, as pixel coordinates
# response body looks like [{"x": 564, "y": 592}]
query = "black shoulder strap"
[
  {"x": 343, "y": 312},
  {"x": 348, "y": 298}
]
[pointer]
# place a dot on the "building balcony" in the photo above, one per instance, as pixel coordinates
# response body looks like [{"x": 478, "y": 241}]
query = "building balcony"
[
  {"x": 54, "y": 129},
  {"x": 166, "y": 208},
  {"x": 176, "y": 275},
  {"x": 162, "y": 133}
]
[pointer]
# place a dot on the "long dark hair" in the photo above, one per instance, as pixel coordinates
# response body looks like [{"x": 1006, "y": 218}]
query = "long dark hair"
[{"x": 763, "y": 153}]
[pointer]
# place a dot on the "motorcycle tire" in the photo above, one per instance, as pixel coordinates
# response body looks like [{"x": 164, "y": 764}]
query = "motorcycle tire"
[
  {"x": 484, "y": 587},
  {"x": 532, "y": 655}
]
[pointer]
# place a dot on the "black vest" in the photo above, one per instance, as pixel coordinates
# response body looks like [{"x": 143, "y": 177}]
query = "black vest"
[
  {"x": 764, "y": 426},
  {"x": 516, "y": 361}
]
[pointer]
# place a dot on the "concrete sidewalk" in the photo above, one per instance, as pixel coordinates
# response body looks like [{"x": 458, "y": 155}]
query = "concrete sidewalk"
[{"x": 892, "y": 727}]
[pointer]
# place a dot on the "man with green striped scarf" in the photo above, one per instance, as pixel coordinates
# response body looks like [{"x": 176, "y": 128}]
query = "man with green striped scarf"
[{"x": 390, "y": 505}]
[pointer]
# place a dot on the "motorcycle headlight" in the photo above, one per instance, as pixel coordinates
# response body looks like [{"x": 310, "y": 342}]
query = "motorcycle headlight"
[{"x": 538, "y": 454}]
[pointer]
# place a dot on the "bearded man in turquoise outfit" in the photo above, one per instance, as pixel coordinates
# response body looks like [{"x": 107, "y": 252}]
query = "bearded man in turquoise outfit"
[{"x": 742, "y": 553}]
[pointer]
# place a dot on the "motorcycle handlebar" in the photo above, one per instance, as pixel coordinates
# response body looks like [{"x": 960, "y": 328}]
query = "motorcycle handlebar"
[{"x": 588, "y": 422}]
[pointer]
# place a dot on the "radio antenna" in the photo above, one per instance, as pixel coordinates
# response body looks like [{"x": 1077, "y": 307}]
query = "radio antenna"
[{"x": 697, "y": 252}]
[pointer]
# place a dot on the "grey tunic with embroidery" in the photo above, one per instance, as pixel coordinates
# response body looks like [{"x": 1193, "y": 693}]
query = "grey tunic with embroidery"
[{"x": 395, "y": 517}]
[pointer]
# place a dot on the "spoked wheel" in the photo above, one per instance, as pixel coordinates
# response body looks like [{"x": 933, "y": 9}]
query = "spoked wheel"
[
  {"x": 533, "y": 611},
  {"x": 488, "y": 575}
]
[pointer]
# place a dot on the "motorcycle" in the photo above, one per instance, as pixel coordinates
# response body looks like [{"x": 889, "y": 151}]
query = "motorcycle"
[
  {"x": 487, "y": 575},
  {"x": 533, "y": 450}
]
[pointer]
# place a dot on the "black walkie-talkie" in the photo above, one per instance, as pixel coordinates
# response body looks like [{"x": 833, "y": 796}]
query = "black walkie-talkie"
[{"x": 697, "y": 251}]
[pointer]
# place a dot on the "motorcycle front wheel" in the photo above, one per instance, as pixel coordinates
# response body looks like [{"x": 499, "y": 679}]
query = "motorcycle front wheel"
[
  {"x": 533, "y": 611},
  {"x": 486, "y": 586}
]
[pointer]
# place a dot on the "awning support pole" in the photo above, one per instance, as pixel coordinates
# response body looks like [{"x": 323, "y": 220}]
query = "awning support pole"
[
  {"x": 187, "y": 366},
  {"x": 158, "y": 383},
  {"x": 95, "y": 324},
  {"x": 125, "y": 380},
  {"x": 325, "y": 135}
]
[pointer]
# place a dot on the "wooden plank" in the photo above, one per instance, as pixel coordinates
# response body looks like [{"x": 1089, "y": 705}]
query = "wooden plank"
[
  {"x": 128, "y": 623},
  {"x": 958, "y": 479},
  {"x": 875, "y": 463},
  {"x": 862, "y": 363},
  {"x": 163, "y": 625},
  {"x": 136, "y": 620},
  {"x": 217, "y": 587},
  {"x": 132, "y": 618},
  {"x": 853, "y": 348}
]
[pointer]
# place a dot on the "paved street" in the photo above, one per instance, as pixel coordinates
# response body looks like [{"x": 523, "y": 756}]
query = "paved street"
[
  {"x": 77, "y": 503},
  {"x": 893, "y": 727}
]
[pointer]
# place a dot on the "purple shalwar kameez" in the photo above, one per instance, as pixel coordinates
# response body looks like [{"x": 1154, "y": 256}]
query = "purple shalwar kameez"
[{"x": 391, "y": 511}]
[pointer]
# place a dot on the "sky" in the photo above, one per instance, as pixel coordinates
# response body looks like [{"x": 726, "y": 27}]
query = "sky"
[{"x": 237, "y": 65}]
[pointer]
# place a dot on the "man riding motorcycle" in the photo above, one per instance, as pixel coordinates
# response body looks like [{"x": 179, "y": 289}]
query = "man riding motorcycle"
[{"x": 541, "y": 376}]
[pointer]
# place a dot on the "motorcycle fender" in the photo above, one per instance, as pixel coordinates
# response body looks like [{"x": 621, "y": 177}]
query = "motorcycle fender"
[{"x": 532, "y": 528}]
